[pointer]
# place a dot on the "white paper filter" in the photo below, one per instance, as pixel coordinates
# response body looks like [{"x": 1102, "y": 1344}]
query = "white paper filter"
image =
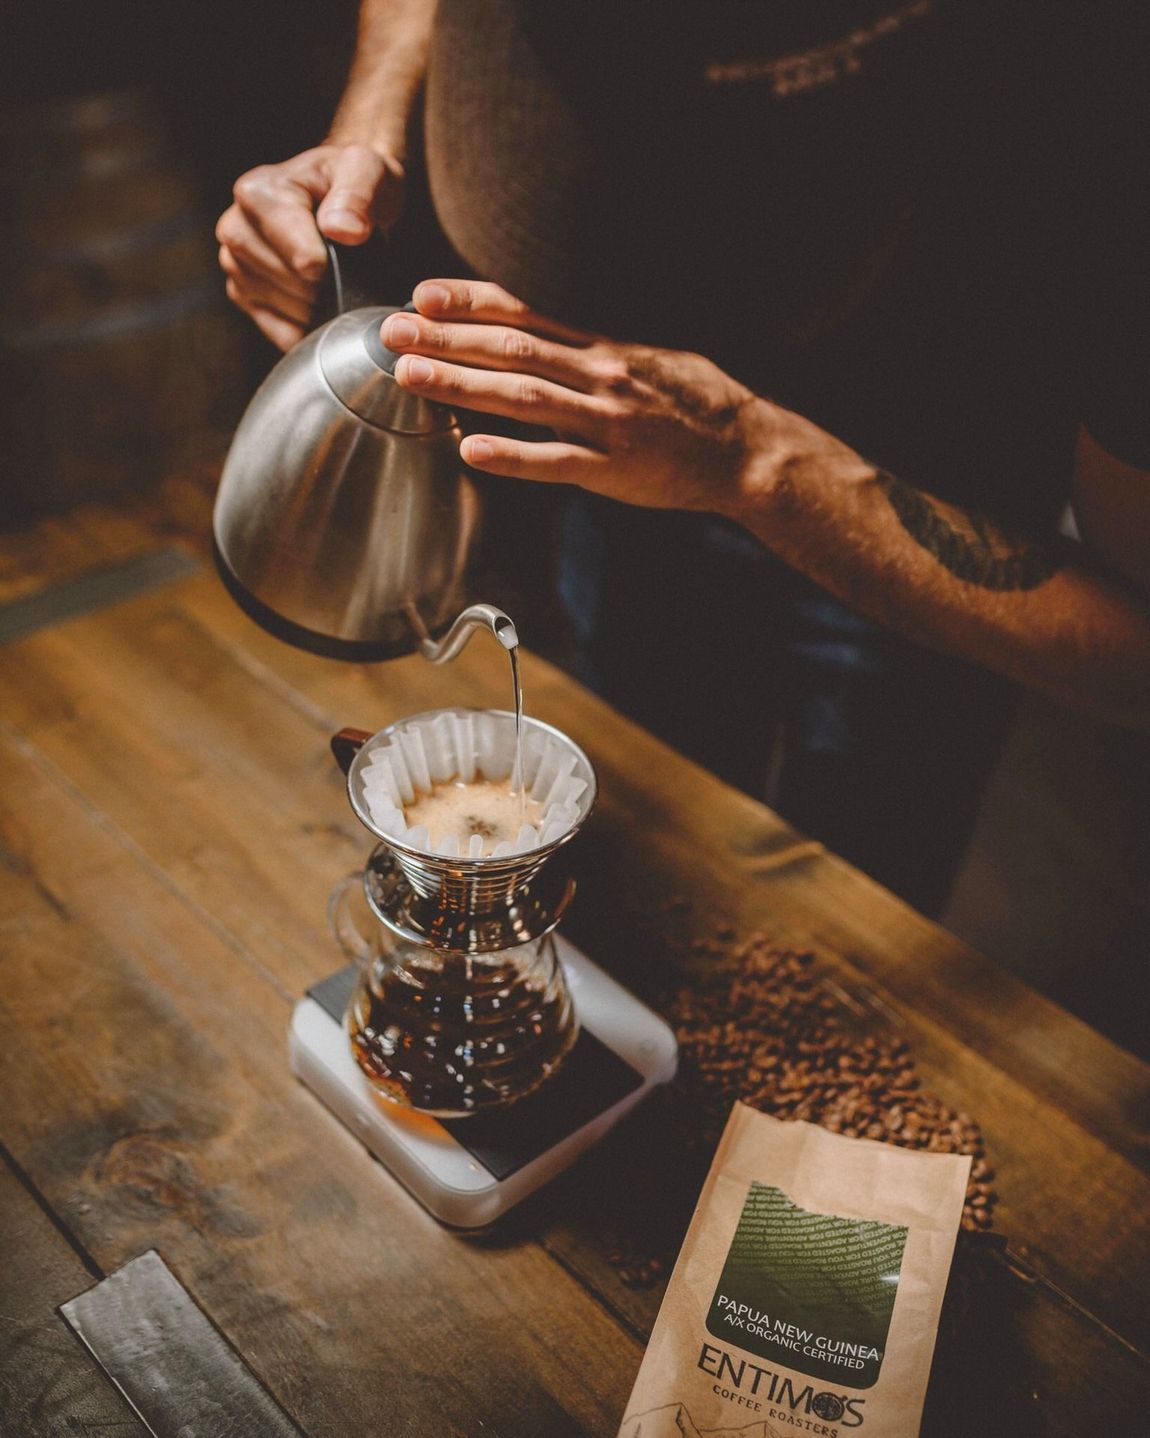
[{"x": 470, "y": 744}]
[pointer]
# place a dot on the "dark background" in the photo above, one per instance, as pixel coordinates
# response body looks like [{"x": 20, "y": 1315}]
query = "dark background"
[{"x": 238, "y": 83}]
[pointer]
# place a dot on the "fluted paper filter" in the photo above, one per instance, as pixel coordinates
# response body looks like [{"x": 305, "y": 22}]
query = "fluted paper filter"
[{"x": 470, "y": 745}]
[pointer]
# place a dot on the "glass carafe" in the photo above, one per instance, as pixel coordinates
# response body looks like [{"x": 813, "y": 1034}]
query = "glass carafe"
[{"x": 461, "y": 1003}]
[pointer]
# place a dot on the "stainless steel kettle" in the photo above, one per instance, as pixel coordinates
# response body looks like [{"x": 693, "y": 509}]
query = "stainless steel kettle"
[{"x": 345, "y": 519}]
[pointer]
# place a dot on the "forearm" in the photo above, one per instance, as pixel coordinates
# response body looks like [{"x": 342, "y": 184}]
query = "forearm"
[
  {"x": 386, "y": 75},
  {"x": 669, "y": 429},
  {"x": 1041, "y": 613}
]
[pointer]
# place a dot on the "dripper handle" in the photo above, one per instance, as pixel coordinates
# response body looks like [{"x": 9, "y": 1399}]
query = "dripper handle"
[{"x": 346, "y": 745}]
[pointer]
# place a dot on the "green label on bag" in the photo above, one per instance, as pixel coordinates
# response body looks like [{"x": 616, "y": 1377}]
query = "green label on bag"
[{"x": 810, "y": 1290}]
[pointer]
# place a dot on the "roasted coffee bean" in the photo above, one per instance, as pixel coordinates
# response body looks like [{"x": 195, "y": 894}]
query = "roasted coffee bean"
[{"x": 754, "y": 1024}]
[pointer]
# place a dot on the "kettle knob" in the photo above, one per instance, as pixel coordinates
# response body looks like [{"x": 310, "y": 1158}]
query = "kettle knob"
[{"x": 353, "y": 357}]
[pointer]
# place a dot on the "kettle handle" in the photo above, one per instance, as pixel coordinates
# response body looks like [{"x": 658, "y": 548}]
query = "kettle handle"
[{"x": 348, "y": 283}]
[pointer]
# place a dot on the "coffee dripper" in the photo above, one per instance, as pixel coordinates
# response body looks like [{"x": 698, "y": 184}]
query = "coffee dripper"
[{"x": 461, "y": 1003}]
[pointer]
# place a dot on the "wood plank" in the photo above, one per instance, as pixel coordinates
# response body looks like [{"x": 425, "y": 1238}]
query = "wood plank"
[
  {"x": 93, "y": 589},
  {"x": 927, "y": 969},
  {"x": 61, "y": 547},
  {"x": 1005, "y": 1351},
  {"x": 48, "y": 1384},
  {"x": 741, "y": 873},
  {"x": 741, "y": 863},
  {"x": 744, "y": 865},
  {"x": 235, "y": 797},
  {"x": 57, "y": 549},
  {"x": 256, "y": 853},
  {"x": 149, "y": 1096}
]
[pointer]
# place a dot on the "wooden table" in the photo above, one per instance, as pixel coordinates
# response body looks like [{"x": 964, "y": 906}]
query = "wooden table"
[{"x": 171, "y": 824}]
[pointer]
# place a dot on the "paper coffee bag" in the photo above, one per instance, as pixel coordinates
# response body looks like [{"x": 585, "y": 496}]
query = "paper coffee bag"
[{"x": 807, "y": 1293}]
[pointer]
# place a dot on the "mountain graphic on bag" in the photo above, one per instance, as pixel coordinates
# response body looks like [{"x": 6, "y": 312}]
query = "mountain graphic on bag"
[{"x": 675, "y": 1422}]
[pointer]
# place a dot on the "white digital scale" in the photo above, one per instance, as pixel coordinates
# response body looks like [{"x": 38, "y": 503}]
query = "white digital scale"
[{"x": 469, "y": 1171}]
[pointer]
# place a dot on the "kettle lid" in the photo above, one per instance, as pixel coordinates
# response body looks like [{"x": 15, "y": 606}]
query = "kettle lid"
[{"x": 360, "y": 371}]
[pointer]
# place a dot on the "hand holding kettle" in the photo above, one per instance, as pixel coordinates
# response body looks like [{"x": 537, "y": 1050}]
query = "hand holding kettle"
[{"x": 271, "y": 238}]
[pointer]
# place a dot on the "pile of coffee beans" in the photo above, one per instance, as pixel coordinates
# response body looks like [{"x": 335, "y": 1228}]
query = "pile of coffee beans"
[{"x": 756, "y": 1023}]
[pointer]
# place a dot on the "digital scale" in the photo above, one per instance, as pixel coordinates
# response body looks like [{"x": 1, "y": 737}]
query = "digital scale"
[{"x": 468, "y": 1171}]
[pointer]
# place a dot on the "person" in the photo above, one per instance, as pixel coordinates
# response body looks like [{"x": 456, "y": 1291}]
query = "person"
[{"x": 827, "y": 312}]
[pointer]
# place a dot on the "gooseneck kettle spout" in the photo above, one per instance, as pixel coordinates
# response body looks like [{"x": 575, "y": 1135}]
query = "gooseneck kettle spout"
[
  {"x": 346, "y": 521},
  {"x": 475, "y": 616}
]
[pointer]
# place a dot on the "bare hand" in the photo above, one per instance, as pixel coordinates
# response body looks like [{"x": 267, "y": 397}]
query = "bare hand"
[
  {"x": 270, "y": 239},
  {"x": 653, "y": 427}
]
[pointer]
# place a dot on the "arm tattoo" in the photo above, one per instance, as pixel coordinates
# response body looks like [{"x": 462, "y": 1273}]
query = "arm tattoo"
[{"x": 973, "y": 548}]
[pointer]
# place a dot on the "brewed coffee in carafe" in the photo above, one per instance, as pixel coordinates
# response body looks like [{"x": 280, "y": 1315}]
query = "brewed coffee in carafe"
[
  {"x": 459, "y": 1032},
  {"x": 462, "y": 1004}
]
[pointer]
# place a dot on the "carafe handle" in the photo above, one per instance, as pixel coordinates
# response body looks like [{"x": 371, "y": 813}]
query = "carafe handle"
[{"x": 347, "y": 911}]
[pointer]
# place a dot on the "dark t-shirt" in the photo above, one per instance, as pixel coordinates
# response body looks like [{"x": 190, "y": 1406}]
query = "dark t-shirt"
[{"x": 915, "y": 221}]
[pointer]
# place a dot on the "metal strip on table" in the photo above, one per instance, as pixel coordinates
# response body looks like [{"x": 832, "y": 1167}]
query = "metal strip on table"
[{"x": 176, "y": 1369}]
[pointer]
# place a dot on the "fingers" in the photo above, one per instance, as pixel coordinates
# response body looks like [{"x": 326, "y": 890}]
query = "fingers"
[
  {"x": 282, "y": 332},
  {"x": 357, "y": 200},
  {"x": 496, "y": 347},
  {"x": 278, "y": 200},
  {"x": 551, "y": 462},
  {"x": 242, "y": 240},
  {"x": 481, "y": 301},
  {"x": 257, "y": 288},
  {"x": 272, "y": 237},
  {"x": 515, "y": 396},
  {"x": 277, "y": 299}
]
